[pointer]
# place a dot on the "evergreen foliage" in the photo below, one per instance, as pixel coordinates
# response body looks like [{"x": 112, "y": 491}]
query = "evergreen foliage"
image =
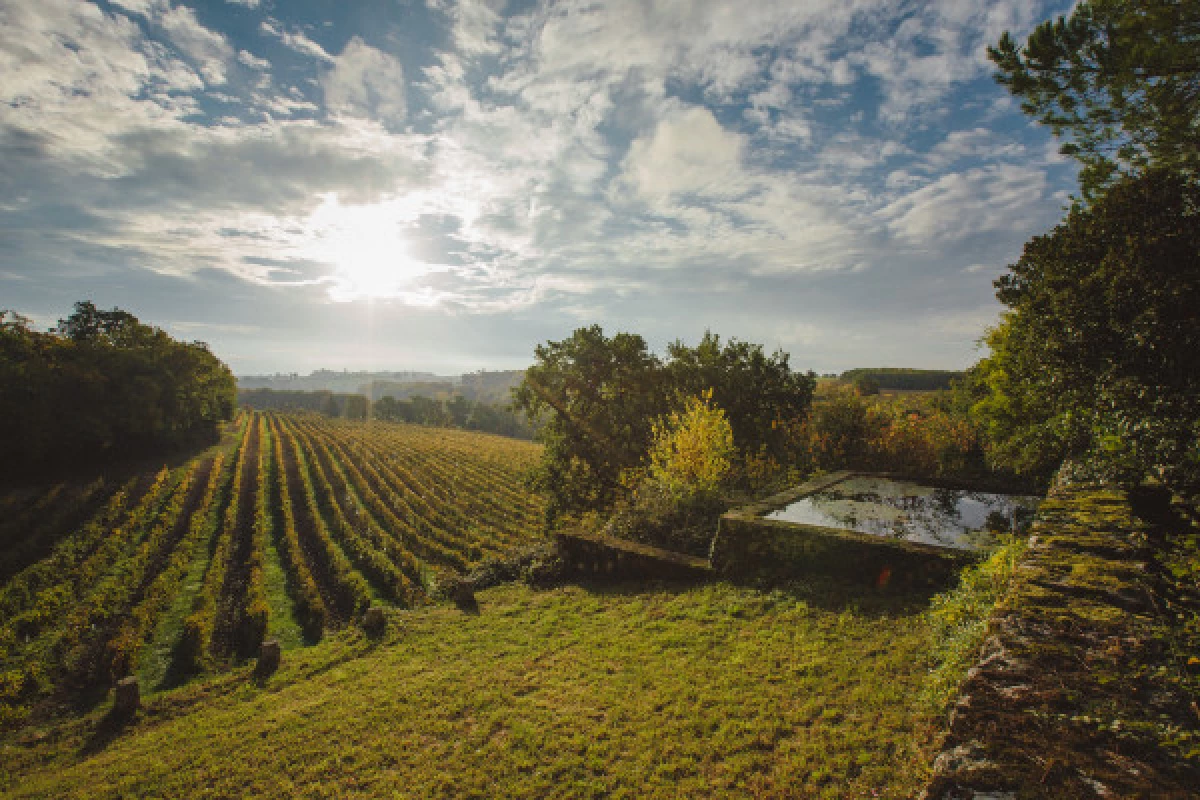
[{"x": 1118, "y": 80}]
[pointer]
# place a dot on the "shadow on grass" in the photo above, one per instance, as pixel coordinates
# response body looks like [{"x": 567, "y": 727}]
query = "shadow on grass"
[
  {"x": 819, "y": 591},
  {"x": 118, "y": 466},
  {"x": 107, "y": 730},
  {"x": 180, "y": 669}
]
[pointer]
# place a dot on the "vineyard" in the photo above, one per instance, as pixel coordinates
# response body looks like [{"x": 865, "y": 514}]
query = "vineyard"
[{"x": 290, "y": 528}]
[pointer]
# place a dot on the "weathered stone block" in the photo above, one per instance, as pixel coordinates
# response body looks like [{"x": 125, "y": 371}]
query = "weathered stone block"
[
  {"x": 269, "y": 655},
  {"x": 128, "y": 697},
  {"x": 750, "y": 546},
  {"x": 463, "y": 596},
  {"x": 374, "y": 621}
]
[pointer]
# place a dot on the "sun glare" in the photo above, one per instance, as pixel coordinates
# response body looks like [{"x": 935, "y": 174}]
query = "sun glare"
[{"x": 366, "y": 247}]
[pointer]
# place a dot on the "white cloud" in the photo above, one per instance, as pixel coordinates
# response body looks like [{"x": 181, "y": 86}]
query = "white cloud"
[
  {"x": 474, "y": 25},
  {"x": 295, "y": 40},
  {"x": 854, "y": 152},
  {"x": 73, "y": 77},
  {"x": 252, "y": 61},
  {"x": 143, "y": 7},
  {"x": 689, "y": 152},
  {"x": 365, "y": 82},
  {"x": 958, "y": 205},
  {"x": 978, "y": 143},
  {"x": 207, "y": 48}
]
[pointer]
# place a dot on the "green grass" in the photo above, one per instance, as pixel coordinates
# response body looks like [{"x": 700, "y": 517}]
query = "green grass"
[
  {"x": 155, "y": 669},
  {"x": 282, "y": 624},
  {"x": 960, "y": 619},
  {"x": 614, "y": 691}
]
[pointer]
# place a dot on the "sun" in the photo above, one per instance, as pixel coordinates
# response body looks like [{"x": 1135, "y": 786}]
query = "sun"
[{"x": 366, "y": 247}]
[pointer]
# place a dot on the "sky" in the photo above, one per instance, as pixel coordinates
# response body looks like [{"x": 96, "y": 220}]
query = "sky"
[{"x": 437, "y": 185}]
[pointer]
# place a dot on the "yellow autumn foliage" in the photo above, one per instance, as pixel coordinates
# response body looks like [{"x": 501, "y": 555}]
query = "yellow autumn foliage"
[{"x": 692, "y": 450}]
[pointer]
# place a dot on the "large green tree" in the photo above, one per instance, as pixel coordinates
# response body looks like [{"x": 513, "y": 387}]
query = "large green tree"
[
  {"x": 1099, "y": 355},
  {"x": 1118, "y": 80},
  {"x": 757, "y": 392},
  {"x": 598, "y": 397},
  {"x": 102, "y": 385}
]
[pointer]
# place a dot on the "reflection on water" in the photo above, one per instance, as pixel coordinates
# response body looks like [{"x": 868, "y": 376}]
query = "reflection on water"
[{"x": 911, "y": 511}]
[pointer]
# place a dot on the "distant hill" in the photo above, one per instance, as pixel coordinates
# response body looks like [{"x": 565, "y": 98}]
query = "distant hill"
[
  {"x": 486, "y": 385},
  {"x": 903, "y": 377},
  {"x": 326, "y": 379}
]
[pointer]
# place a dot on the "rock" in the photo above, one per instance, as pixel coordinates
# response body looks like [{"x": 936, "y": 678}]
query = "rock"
[
  {"x": 1015, "y": 693},
  {"x": 269, "y": 655},
  {"x": 965, "y": 762},
  {"x": 128, "y": 697},
  {"x": 464, "y": 597},
  {"x": 374, "y": 621}
]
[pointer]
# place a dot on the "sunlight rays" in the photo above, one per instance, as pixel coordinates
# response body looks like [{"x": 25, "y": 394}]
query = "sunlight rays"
[{"x": 368, "y": 251}]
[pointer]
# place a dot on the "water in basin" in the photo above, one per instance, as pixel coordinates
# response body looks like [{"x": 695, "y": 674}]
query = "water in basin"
[{"x": 912, "y": 511}]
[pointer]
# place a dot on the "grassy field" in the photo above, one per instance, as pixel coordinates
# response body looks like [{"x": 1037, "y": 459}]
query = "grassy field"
[
  {"x": 621, "y": 690},
  {"x": 295, "y": 524}
]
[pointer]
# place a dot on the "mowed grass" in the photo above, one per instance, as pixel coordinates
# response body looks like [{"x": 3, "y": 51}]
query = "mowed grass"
[{"x": 581, "y": 691}]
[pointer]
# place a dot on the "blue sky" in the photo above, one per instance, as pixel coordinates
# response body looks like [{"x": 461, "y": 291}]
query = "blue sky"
[{"x": 438, "y": 185}]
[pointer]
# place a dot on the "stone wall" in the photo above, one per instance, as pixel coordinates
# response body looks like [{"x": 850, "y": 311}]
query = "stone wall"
[
  {"x": 1077, "y": 692},
  {"x": 750, "y": 547},
  {"x": 594, "y": 554}
]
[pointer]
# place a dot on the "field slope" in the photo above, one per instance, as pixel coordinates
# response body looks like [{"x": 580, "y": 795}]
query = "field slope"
[
  {"x": 581, "y": 691},
  {"x": 290, "y": 527}
]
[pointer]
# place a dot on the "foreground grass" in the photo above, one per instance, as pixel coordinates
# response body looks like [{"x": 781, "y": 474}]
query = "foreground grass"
[{"x": 594, "y": 691}]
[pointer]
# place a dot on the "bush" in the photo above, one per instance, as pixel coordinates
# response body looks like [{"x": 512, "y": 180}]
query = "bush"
[
  {"x": 675, "y": 502},
  {"x": 692, "y": 450},
  {"x": 847, "y": 431},
  {"x": 654, "y": 517}
]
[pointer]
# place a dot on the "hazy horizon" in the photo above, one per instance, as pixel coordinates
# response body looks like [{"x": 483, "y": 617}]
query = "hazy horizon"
[{"x": 440, "y": 186}]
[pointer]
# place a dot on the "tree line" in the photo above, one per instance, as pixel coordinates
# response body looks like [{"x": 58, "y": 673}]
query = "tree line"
[
  {"x": 900, "y": 378},
  {"x": 324, "y": 401},
  {"x": 456, "y": 411},
  {"x": 100, "y": 386}
]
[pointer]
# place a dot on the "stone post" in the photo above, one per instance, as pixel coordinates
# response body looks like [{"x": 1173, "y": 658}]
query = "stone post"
[
  {"x": 268, "y": 657},
  {"x": 128, "y": 697},
  {"x": 464, "y": 598},
  {"x": 374, "y": 621}
]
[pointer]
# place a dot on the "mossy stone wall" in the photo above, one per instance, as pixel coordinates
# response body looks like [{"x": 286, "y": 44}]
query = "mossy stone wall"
[{"x": 750, "y": 547}]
